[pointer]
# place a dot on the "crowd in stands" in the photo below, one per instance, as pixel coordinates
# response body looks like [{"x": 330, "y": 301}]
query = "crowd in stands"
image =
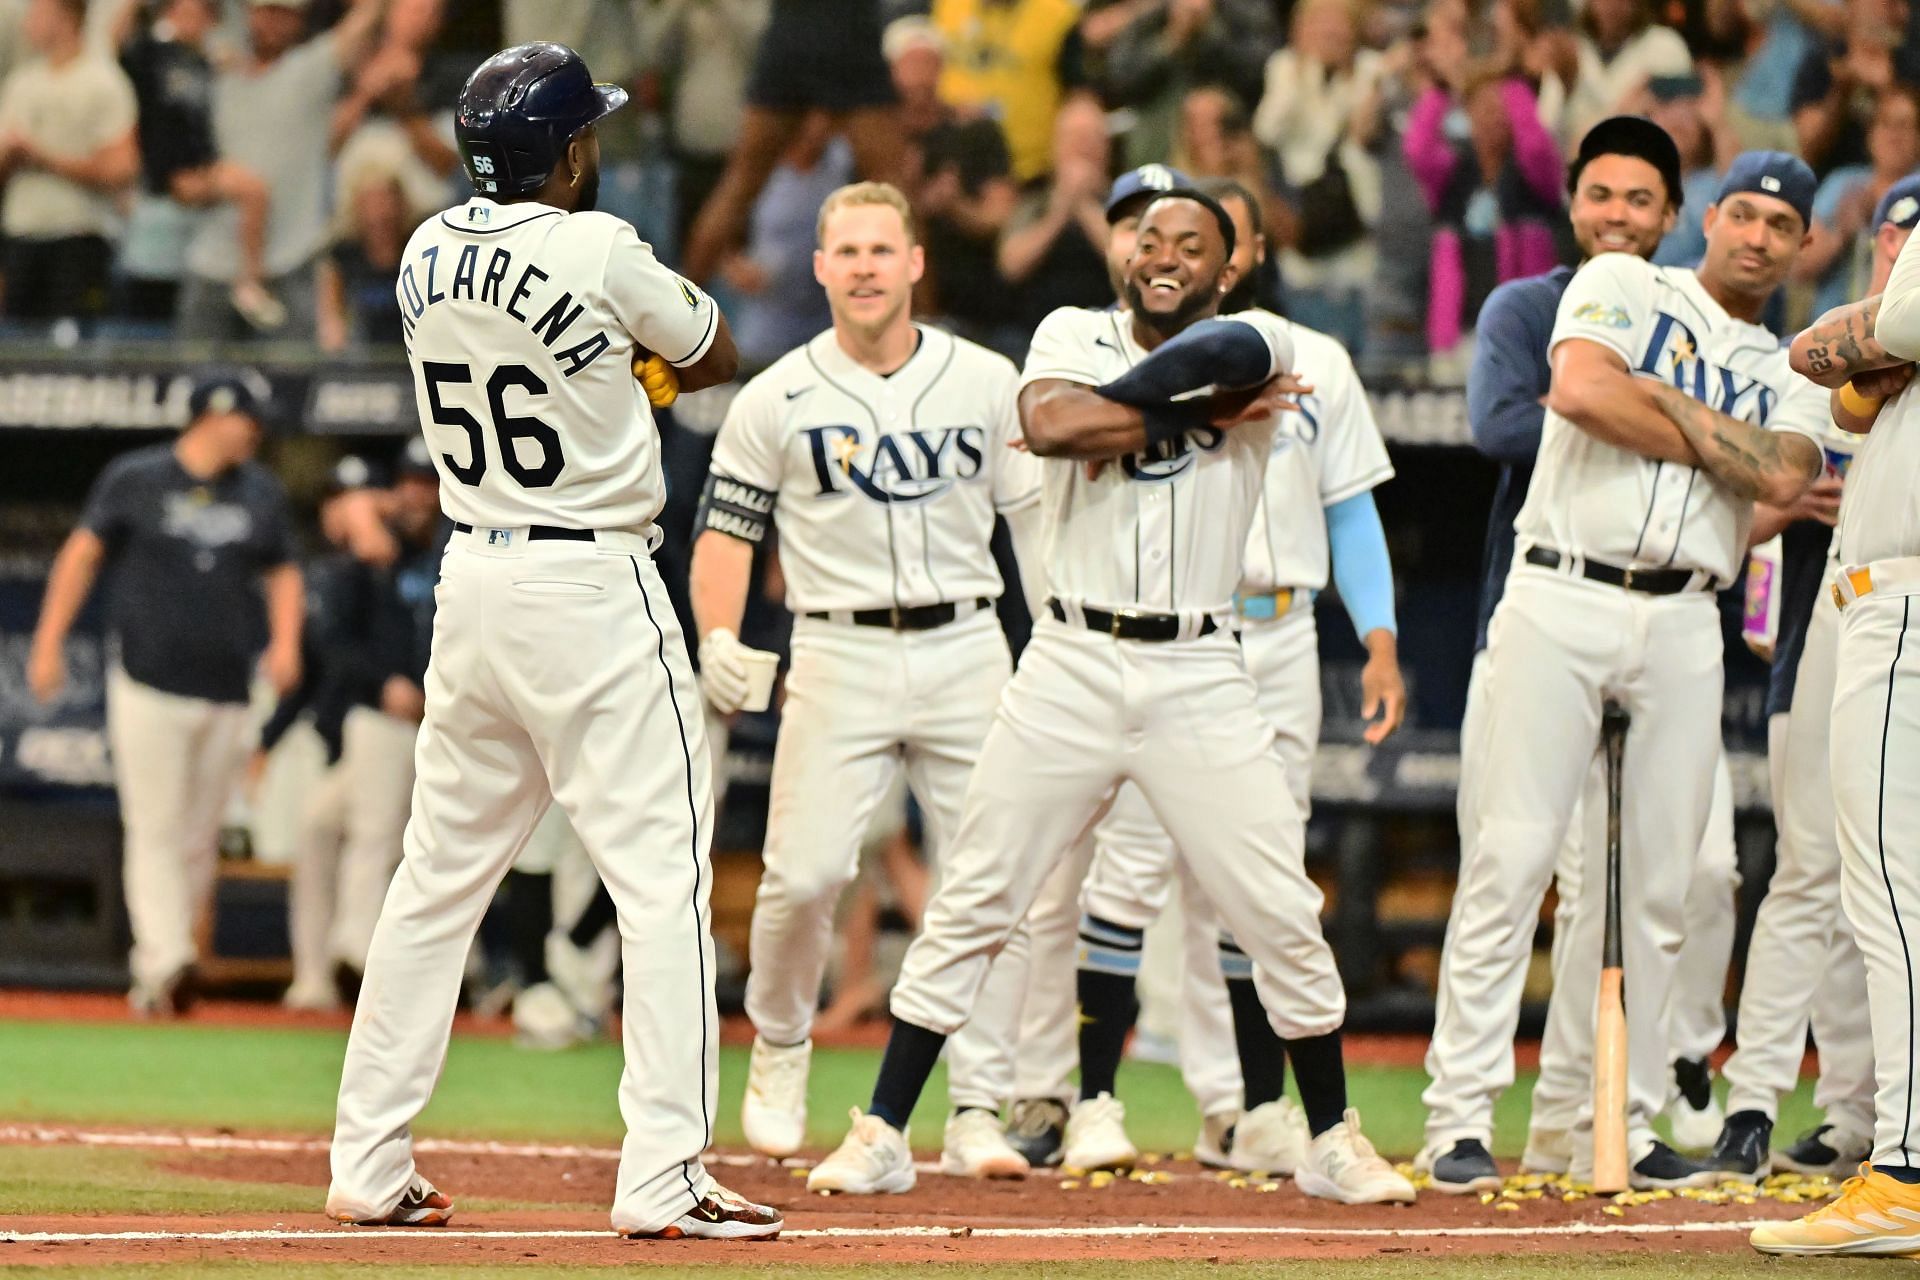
[{"x": 251, "y": 168}]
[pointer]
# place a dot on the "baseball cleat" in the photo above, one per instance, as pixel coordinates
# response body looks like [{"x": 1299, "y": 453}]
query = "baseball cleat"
[
  {"x": 976, "y": 1146},
  {"x": 1271, "y": 1138},
  {"x": 1548, "y": 1151},
  {"x": 720, "y": 1215},
  {"x": 773, "y": 1114},
  {"x": 1036, "y": 1128},
  {"x": 872, "y": 1160},
  {"x": 1462, "y": 1168},
  {"x": 1694, "y": 1112},
  {"x": 1660, "y": 1167},
  {"x": 421, "y": 1205},
  {"x": 543, "y": 1018},
  {"x": 1213, "y": 1146},
  {"x": 1875, "y": 1214},
  {"x": 1342, "y": 1165},
  {"x": 1097, "y": 1136},
  {"x": 1741, "y": 1152},
  {"x": 1825, "y": 1152}
]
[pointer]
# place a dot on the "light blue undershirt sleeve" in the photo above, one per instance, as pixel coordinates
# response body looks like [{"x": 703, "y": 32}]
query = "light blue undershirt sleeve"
[{"x": 1362, "y": 569}]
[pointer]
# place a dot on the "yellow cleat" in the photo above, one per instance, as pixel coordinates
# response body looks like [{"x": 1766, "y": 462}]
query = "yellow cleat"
[{"x": 1875, "y": 1214}]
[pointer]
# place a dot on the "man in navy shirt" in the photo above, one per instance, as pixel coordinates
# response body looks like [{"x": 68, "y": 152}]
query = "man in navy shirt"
[{"x": 195, "y": 541}]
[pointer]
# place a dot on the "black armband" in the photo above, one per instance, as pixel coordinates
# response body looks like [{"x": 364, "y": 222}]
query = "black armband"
[
  {"x": 735, "y": 508},
  {"x": 1171, "y": 421}
]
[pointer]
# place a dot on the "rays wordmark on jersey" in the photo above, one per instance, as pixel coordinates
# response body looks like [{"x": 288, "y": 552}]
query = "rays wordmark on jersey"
[
  {"x": 1673, "y": 355},
  {"x": 901, "y": 467},
  {"x": 1169, "y": 458}
]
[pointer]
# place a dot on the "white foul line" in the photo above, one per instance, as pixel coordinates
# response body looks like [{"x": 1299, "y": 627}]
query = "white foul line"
[{"x": 908, "y": 1233}]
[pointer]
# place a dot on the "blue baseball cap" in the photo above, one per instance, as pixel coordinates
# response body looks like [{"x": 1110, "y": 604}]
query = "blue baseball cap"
[
  {"x": 1772, "y": 173},
  {"x": 1900, "y": 206},
  {"x": 1141, "y": 185},
  {"x": 415, "y": 460},
  {"x": 352, "y": 472},
  {"x": 229, "y": 391}
]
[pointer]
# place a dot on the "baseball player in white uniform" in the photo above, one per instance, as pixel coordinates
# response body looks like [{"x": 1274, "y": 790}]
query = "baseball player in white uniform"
[
  {"x": 1133, "y": 674},
  {"x": 881, "y": 451},
  {"x": 558, "y": 672},
  {"x": 1670, "y": 412},
  {"x": 1799, "y": 928},
  {"x": 1327, "y": 457},
  {"x": 1864, "y": 353}
]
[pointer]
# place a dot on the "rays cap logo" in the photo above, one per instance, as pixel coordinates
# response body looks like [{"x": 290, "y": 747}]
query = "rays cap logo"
[
  {"x": 227, "y": 391},
  {"x": 1134, "y": 188},
  {"x": 1900, "y": 205}
]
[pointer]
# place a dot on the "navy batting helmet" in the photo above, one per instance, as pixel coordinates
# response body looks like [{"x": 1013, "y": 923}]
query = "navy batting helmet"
[{"x": 519, "y": 110}]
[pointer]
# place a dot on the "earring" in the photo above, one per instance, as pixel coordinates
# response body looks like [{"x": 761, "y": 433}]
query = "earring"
[{"x": 576, "y": 180}]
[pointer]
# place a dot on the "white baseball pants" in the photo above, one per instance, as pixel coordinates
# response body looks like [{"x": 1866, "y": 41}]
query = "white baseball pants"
[
  {"x": 559, "y": 675},
  {"x": 1180, "y": 720},
  {"x": 1876, "y": 794},
  {"x": 861, "y": 704},
  {"x": 1800, "y": 930},
  {"x": 1558, "y": 648},
  {"x": 176, "y": 761}
]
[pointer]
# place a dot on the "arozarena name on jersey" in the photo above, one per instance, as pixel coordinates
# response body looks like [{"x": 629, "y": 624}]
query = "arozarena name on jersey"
[
  {"x": 429, "y": 281},
  {"x": 1673, "y": 355},
  {"x": 908, "y": 466}
]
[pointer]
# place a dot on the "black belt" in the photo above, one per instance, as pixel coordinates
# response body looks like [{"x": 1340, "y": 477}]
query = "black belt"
[
  {"x": 1128, "y": 624},
  {"x": 1654, "y": 582},
  {"x": 539, "y": 532},
  {"x": 919, "y": 617}
]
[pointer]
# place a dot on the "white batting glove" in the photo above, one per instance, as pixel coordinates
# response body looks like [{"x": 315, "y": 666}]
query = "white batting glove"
[{"x": 724, "y": 678}]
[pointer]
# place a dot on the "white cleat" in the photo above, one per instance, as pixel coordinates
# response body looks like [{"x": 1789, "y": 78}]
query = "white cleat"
[
  {"x": 1271, "y": 1138},
  {"x": 1097, "y": 1136},
  {"x": 543, "y": 1018},
  {"x": 1216, "y": 1138},
  {"x": 873, "y": 1160},
  {"x": 976, "y": 1147},
  {"x": 773, "y": 1114},
  {"x": 1342, "y": 1165}
]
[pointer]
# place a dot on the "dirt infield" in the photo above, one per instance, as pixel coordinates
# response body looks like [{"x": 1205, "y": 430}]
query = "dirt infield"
[{"x": 1184, "y": 1212}]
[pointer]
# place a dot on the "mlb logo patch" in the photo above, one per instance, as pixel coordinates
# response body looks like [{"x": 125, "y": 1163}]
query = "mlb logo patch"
[
  {"x": 499, "y": 537},
  {"x": 1769, "y": 183},
  {"x": 479, "y": 214}
]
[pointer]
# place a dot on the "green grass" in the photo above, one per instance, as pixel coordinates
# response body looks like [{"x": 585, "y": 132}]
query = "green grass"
[
  {"x": 281, "y": 1080},
  {"x": 1729, "y": 1266}
]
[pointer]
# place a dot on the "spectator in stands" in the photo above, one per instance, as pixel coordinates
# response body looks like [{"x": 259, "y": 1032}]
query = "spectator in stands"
[
  {"x": 1494, "y": 195},
  {"x": 962, "y": 188},
  {"x": 1763, "y": 98},
  {"x": 781, "y": 305},
  {"x": 198, "y": 548},
  {"x": 1837, "y": 83},
  {"x": 382, "y": 198},
  {"x": 273, "y": 113},
  {"x": 814, "y": 55},
  {"x": 180, "y": 170},
  {"x": 1319, "y": 115},
  {"x": 1013, "y": 60},
  {"x": 1693, "y": 111},
  {"x": 1838, "y": 258},
  {"x": 704, "y": 51},
  {"x": 1175, "y": 46},
  {"x": 1054, "y": 251},
  {"x": 1620, "y": 47},
  {"x": 67, "y": 153},
  {"x": 1215, "y": 140}
]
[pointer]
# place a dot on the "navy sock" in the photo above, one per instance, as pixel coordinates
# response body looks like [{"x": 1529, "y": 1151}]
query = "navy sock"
[
  {"x": 911, "y": 1053},
  {"x": 1900, "y": 1173},
  {"x": 530, "y": 912},
  {"x": 1109, "y": 961},
  {"x": 1322, "y": 1077},
  {"x": 598, "y": 917},
  {"x": 1263, "y": 1054}
]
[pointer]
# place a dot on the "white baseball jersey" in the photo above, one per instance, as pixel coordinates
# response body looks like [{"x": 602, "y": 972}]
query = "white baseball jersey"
[
  {"x": 1593, "y": 499},
  {"x": 1880, "y": 507},
  {"x": 549, "y": 425},
  {"x": 1164, "y": 529},
  {"x": 1328, "y": 451},
  {"x": 883, "y": 489}
]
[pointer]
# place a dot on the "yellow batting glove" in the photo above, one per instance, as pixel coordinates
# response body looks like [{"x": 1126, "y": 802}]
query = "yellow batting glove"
[{"x": 659, "y": 379}]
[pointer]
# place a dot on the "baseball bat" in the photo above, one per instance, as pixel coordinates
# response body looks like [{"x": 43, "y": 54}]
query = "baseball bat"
[{"x": 1610, "y": 1029}]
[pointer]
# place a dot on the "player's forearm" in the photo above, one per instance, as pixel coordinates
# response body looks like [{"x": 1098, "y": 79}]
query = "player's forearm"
[
  {"x": 1847, "y": 417},
  {"x": 67, "y": 586},
  {"x": 1769, "y": 522},
  {"x": 1847, "y": 340},
  {"x": 1615, "y": 408},
  {"x": 1757, "y": 464},
  {"x": 717, "y": 582},
  {"x": 1067, "y": 421},
  {"x": 286, "y": 606}
]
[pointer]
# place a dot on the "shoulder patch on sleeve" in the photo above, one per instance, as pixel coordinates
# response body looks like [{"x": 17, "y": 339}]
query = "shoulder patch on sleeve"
[
  {"x": 1604, "y": 314},
  {"x": 686, "y": 291}
]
